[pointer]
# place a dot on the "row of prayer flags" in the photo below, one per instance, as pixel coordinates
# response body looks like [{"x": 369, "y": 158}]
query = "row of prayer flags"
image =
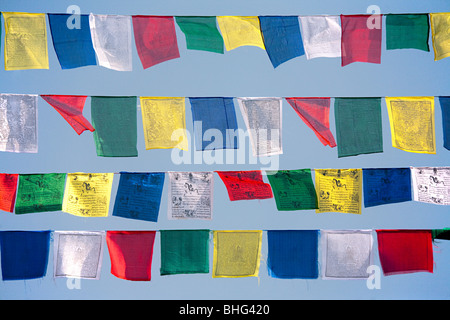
[
  {"x": 291, "y": 254},
  {"x": 106, "y": 40}
]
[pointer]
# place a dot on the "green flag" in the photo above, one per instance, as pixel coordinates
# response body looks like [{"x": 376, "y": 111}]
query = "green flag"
[
  {"x": 201, "y": 33},
  {"x": 407, "y": 31}
]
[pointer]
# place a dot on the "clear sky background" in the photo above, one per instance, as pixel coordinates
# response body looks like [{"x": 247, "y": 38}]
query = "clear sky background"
[{"x": 243, "y": 72}]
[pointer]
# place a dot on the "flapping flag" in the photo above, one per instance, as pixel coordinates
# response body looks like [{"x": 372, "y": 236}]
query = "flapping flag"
[
  {"x": 238, "y": 31},
  {"x": 25, "y": 41},
  {"x": 245, "y": 185},
  {"x": 293, "y": 254},
  {"x": 282, "y": 38},
  {"x": 236, "y": 253},
  {"x": 339, "y": 190},
  {"x": 412, "y": 123},
  {"x": 405, "y": 251},
  {"x": 431, "y": 184},
  {"x": 358, "y": 126},
  {"x": 315, "y": 112},
  {"x": 164, "y": 122},
  {"x": 440, "y": 31},
  {"x": 321, "y": 36},
  {"x": 359, "y": 42},
  {"x": 201, "y": 33},
  {"x": 115, "y": 123},
  {"x": 78, "y": 254},
  {"x": 407, "y": 31},
  {"x": 88, "y": 194},
  {"x": 73, "y": 44},
  {"x": 445, "y": 108},
  {"x": 139, "y": 195},
  {"x": 24, "y": 254},
  {"x": 184, "y": 251},
  {"x": 215, "y": 123},
  {"x": 131, "y": 254},
  {"x": 155, "y": 38},
  {"x": 71, "y": 109},
  {"x": 8, "y": 189},
  {"x": 293, "y": 189},
  {"x": 18, "y": 116},
  {"x": 112, "y": 37}
]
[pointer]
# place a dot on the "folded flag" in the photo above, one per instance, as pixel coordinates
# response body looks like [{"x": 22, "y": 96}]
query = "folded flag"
[
  {"x": 201, "y": 33},
  {"x": 321, "y": 36},
  {"x": 445, "y": 108},
  {"x": 238, "y": 31},
  {"x": 245, "y": 185},
  {"x": 431, "y": 184},
  {"x": 440, "y": 31},
  {"x": 8, "y": 188},
  {"x": 407, "y": 31}
]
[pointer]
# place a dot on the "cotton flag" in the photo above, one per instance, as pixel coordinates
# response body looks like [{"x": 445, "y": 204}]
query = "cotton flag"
[
  {"x": 131, "y": 254},
  {"x": 25, "y": 41},
  {"x": 407, "y": 31},
  {"x": 440, "y": 31},
  {"x": 112, "y": 37},
  {"x": 155, "y": 38},
  {"x": 238, "y": 31},
  {"x": 18, "y": 123},
  {"x": 78, "y": 254},
  {"x": 321, "y": 36},
  {"x": 88, "y": 194},
  {"x": 263, "y": 119},
  {"x": 8, "y": 189},
  {"x": 236, "y": 253},
  {"x": 339, "y": 190},
  {"x": 445, "y": 108},
  {"x": 245, "y": 185},
  {"x": 72, "y": 42},
  {"x": 164, "y": 122},
  {"x": 201, "y": 33},
  {"x": 412, "y": 123},
  {"x": 282, "y": 38},
  {"x": 431, "y": 184},
  {"x": 361, "y": 39},
  {"x": 71, "y": 109},
  {"x": 315, "y": 112}
]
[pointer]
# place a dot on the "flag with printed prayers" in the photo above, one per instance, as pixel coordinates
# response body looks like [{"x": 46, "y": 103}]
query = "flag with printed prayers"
[
  {"x": 201, "y": 33},
  {"x": 321, "y": 36},
  {"x": 431, "y": 184},
  {"x": 445, "y": 109},
  {"x": 245, "y": 185},
  {"x": 407, "y": 31},
  {"x": 440, "y": 30},
  {"x": 238, "y": 31},
  {"x": 8, "y": 189}
]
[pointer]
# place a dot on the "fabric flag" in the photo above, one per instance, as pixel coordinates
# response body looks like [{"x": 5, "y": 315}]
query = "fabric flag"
[
  {"x": 215, "y": 123},
  {"x": 72, "y": 43},
  {"x": 131, "y": 254},
  {"x": 184, "y": 251},
  {"x": 115, "y": 123},
  {"x": 405, "y": 251},
  {"x": 238, "y": 31},
  {"x": 263, "y": 119},
  {"x": 440, "y": 234},
  {"x": 139, "y": 195},
  {"x": 407, "y": 31},
  {"x": 245, "y": 185},
  {"x": 358, "y": 126},
  {"x": 8, "y": 189},
  {"x": 164, "y": 122},
  {"x": 282, "y": 38},
  {"x": 71, "y": 109},
  {"x": 431, "y": 184},
  {"x": 440, "y": 31},
  {"x": 339, "y": 190},
  {"x": 88, "y": 194},
  {"x": 190, "y": 195},
  {"x": 18, "y": 123},
  {"x": 236, "y": 253},
  {"x": 40, "y": 192},
  {"x": 412, "y": 123},
  {"x": 112, "y": 37},
  {"x": 359, "y": 42},
  {"x": 293, "y": 189},
  {"x": 78, "y": 254},
  {"x": 315, "y": 112},
  {"x": 321, "y": 36},
  {"x": 384, "y": 186},
  {"x": 24, "y": 254},
  {"x": 346, "y": 254},
  {"x": 445, "y": 108},
  {"x": 25, "y": 41},
  {"x": 155, "y": 39},
  {"x": 293, "y": 254},
  {"x": 201, "y": 33}
]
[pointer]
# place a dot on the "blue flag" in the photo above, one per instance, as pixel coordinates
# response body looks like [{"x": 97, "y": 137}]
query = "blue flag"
[{"x": 445, "y": 106}]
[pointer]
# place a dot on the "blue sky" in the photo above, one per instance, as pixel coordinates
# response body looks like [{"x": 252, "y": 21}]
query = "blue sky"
[{"x": 243, "y": 72}]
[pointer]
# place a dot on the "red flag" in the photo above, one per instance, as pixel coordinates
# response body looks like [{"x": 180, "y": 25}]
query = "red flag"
[
  {"x": 8, "y": 187},
  {"x": 245, "y": 185}
]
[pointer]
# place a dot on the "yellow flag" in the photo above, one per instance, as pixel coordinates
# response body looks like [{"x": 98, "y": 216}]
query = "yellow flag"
[
  {"x": 339, "y": 190},
  {"x": 236, "y": 253},
  {"x": 240, "y": 31},
  {"x": 164, "y": 123},
  {"x": 412, "y": 123},
  {"x": 440, "y": 30},
  {"x": 88, "y": 194},
  {"x": 25, "y": 41}
]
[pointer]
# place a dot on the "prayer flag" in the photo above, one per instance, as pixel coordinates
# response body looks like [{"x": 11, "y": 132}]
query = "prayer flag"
[
  {"x": 440, "y": 31},
  {"x": 201, "y": 33},
  {"x": 245, "y": 185},
  {"x": 407, "y": 31},
  {"x": 238, "y": 31},
  {"x": 442, "y": 234},
  {"x": 445, "y": 108},
  {"x": 8, "y": 187},
  {"x": 431, "y": 184},
  {"x": 321, "y": 36}
]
